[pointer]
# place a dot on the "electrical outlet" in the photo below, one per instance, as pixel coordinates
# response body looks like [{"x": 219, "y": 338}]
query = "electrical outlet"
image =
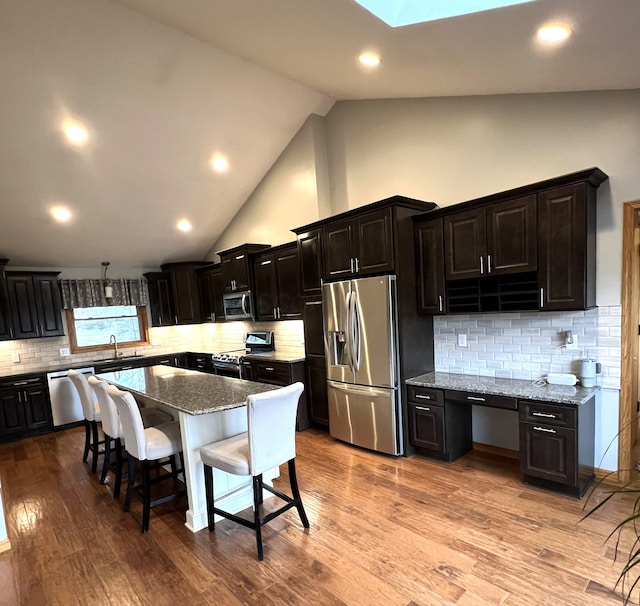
[
  {"x": 462, "y": 340},
  {"x": 572, "y": 343},
  {"x": 64, "y": 351},
  {"x": 155, "y": 342},
  {"x": 15, "y": 358}
]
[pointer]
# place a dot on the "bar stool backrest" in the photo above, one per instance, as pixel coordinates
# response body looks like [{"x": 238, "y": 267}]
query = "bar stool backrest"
[
  {"x": 87, "y": 397},
  {"x": 271, "y": 423},
  {"x": 108, "y": 410},
  {"x": 131, "y": 421}
]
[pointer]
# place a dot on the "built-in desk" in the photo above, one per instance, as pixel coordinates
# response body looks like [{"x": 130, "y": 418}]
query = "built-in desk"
[
  {"x": 556, "y": 424},
  {"x": 209, "y": 408}
]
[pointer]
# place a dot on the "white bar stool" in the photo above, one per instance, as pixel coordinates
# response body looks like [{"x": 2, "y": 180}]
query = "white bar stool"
[
  {"x": 269, "y": 442},
  {"x": 151, "y": 447},
  {"x": 92, "y": 416}
]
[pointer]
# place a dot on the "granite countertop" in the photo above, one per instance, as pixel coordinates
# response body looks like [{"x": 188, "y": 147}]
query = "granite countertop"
[
  {"x": 189, "y": 391},
  {"x": 516, "y": 388}
]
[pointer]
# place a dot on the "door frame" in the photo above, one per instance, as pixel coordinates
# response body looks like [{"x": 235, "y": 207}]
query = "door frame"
[{"x": 630, "y": 299}]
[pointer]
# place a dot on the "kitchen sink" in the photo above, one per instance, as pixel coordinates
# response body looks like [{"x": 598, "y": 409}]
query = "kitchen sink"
[{"x": 119, "y": 358}]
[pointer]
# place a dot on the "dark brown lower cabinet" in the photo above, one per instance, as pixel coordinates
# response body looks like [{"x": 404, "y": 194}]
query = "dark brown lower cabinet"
[
  {"x": 438, "y": 428},
  {"x": 279, "y": 373},
  {"x": 24, "y": 408},
  {"x": 557, "y": 445}
]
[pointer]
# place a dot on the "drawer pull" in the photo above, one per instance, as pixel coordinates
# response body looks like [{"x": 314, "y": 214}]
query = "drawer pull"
[
  {"x": 544, "y": 429},
  {"x": 269, "y": 368},
  {"x": 17, "y": 383},
  {"x": 423, "y": 408},
  {"x": 476, "y": 399},
  {"x": 543, "y": 414},
  {"x": 419, "y": 397}
]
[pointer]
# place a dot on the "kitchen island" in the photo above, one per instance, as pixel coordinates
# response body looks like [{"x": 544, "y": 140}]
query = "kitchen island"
[{"x": 209, "y": 408}]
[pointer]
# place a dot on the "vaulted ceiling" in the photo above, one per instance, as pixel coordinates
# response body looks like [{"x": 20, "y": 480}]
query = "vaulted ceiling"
[{"x": 162, "y": 85}]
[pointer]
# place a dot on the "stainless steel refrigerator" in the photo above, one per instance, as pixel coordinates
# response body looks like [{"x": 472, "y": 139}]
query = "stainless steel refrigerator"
[{"x": 360, "y": 331}]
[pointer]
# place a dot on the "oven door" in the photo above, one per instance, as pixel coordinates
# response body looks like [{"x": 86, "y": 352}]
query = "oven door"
[
  {"x": 226, "y": 369},
  {"x": 238, "y": 306}
]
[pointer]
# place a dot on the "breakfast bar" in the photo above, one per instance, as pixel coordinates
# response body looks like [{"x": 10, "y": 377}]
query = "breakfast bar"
[{"x": 209, "y": 408}]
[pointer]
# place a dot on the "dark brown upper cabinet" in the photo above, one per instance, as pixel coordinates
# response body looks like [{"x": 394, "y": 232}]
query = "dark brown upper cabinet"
[
  {"x": 311, "y": 262},
  {"x": 5, "y": 315},
  {"x": 34, "y": 303},
  {"x": 359, "y": 246},
  {"x": 430, "y": 289},
  {"x": 211, "y": 290},
  {"x": 236, "y": 266},
  {"x": 527, "y": 249},
  {"x": 277, "y": 283},
  {"x": 498, "y": 239},
  {"x": 160, "y": 299},
  {"x": 185, "y": 290},
  {"x": 567, "y": 245}
]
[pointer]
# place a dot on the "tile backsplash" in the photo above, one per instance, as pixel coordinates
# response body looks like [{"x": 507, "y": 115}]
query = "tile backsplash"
[
  {"x": 42, "y": 354},
  {"x": 529, "y": 345}
]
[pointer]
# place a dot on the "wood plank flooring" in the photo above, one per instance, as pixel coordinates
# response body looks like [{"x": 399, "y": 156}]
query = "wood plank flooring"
[{"x": 384, "y": 531}]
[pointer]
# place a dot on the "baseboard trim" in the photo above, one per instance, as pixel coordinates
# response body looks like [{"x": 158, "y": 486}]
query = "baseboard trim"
[
  {"x": 496, "y": 450},
  {"x": 5, "y": 545}
]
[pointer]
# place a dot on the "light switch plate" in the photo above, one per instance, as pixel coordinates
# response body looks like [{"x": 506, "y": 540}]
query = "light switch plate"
[
  {"x": 15, "y": 358},
  {"x": 64, "y": 351},
  {"x": 462, "y": 340}
]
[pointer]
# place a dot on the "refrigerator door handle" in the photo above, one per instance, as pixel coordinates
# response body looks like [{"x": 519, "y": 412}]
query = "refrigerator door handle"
[
  {"x": 351, "y": 388},
  {"x": 355, "y": 331},
  {"x": 347, "y": 331}
]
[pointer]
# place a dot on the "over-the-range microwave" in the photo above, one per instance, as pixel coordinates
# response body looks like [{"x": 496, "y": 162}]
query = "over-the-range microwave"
[{"x": 238, "y": 306}]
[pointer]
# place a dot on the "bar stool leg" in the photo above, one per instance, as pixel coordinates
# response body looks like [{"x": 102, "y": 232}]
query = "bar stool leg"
[
  {"x": 107, "y": 458},
  {"x": 119, "y": 463},
  {"x": 87, "y": 440},
  {"x": 208, "y": 486},
  {"x": 293, "y": 480},
  {"x": 131, "y": 479},
  {"x": 256, "y": 515},
  {"x": 95, "y": 447},
  {"x": 146, "y": 495}
]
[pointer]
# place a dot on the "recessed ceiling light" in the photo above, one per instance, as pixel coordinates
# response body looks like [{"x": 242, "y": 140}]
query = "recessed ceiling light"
[
  {"x": 61, "y": 214},
  {"x": 369, "y": 59},
  {"x": 219, "y": 163},
  {"x": 76, "y": 133},
  {"x": 184, "y": 225},
  {"x": 554, "y": 33}
]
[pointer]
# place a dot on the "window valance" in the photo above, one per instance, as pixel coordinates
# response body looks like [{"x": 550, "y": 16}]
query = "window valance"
[{"x": 90, "y": 293}]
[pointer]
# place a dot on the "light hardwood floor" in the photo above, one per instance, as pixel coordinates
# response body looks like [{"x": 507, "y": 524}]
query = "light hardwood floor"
[{"x": 384, "y": 531}]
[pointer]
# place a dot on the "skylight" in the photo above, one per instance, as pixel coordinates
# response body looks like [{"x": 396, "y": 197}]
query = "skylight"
[{"x": 407, "y": 12}]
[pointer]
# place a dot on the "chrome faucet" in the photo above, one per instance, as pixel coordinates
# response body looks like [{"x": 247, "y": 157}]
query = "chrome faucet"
[{"x": 113, "y": 341}]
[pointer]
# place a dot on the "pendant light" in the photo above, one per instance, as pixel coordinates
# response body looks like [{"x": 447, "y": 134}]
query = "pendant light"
[{"x": 108, "y": 289}]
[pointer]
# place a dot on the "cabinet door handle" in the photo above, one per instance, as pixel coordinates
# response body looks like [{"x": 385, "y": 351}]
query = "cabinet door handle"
[
  {"x": 11, "y": 332},
  {"x": 17, "y": 383},
  {"x": 476, "y": 399},
  {"x": 543, "y": 414},
  {"x": 176, "y": 318},
  {"x": 351, "y": 264},
  {"x": 481, "y": 265},
  {"x": 266, "y": 262},
  {"x": 544, "y": 429},
  {"x": 239, "y": 257},
  {"x": 269, "y": 368},
  {"x": 20, "y": 397},
  {"x": 419, "y": 397},
  {"x": 357, "y": 265},
  {"x": 541, "y": 297},
  {"x": 489, "y": 264},
  {"x": 279, "y": 314},
  {"x": 423, "y": 408},
  {"x": 440, "y": 302}
]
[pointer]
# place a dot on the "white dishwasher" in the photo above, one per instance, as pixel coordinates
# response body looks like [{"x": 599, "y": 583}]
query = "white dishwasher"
[{"x": 65, "y": 401}]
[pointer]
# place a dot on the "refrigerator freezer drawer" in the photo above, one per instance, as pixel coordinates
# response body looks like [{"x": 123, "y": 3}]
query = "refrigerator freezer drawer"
[{"x": 365, "y": 416}]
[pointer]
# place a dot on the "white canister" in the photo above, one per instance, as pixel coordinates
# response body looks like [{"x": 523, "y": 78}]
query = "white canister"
[{"x": 589, "y": 368}]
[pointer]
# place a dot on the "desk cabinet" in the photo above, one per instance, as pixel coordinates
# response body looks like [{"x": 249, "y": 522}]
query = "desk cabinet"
[
  {"x": 557, "y": 445},
  {"x": 438, "y": 428}
]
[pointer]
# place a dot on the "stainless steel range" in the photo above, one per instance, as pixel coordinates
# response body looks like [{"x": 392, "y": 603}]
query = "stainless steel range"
[{"x": 229, "y": 363}]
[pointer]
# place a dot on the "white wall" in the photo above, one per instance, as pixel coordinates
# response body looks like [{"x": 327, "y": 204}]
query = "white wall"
[
  {"x": 449, "y": 150},
  {"x": 294, "y": 192}
]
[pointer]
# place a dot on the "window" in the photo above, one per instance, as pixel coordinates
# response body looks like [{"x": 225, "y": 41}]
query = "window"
[{"x": 90, "y": 328}]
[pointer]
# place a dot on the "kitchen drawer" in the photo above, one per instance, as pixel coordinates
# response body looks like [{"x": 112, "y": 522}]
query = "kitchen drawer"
[
  {"x": 548, "y": 414},
  {"x": 481, "y": 399},
  {"x": 275, "y": 373},
  {"x": 425, "y": 394},
  {"x": 23, "y": 382}
]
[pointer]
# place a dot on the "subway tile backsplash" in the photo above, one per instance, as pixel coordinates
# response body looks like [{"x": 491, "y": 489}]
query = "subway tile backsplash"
[{"x": 529, "y": 345}]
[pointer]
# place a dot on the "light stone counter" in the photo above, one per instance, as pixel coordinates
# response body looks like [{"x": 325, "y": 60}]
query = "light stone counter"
[{"x": 515, "y": 388}]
